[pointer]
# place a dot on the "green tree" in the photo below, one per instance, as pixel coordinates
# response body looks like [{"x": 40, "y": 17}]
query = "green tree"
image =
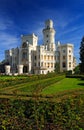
[
  {"x": 77, "y": 70},
  {"x": 57, "y": 67},
  {"x": 82, "y": 56}
]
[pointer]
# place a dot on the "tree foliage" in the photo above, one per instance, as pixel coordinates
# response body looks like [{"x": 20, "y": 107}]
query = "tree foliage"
[
  {"x": 77, "y": 70},
  {"x": 2, "y": 66},
  {"x": 57, "y": 67},
  {"x": 82, "y": 56}
]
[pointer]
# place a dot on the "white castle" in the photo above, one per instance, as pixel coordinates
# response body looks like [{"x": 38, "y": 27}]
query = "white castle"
[{"x": 32, "y": 58}]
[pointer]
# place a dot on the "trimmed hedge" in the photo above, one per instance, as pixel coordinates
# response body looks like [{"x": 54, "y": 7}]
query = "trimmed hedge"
[
  {"x": 6, "y": 81},
  {"x": 42, "y": 115},
  {"x": 75, "y": 76}
]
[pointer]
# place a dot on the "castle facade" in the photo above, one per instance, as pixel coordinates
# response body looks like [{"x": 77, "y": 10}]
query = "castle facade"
[{"x": 32, "y": 58}]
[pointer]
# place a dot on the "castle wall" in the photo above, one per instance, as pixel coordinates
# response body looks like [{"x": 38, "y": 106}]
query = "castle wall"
[{"x": 32, "y": 58}]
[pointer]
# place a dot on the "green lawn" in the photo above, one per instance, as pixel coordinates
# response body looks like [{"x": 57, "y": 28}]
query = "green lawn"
[
  {"x": 26, "y": 86},
  {"x": 44, "y": 86},
  {"x": 64, "y": 85}
]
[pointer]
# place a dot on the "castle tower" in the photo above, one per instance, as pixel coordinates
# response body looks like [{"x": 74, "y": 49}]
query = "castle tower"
[{"x": 49, "y": 35}]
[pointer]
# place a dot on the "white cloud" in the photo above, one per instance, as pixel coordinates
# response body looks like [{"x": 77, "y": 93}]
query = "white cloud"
[
  {"x": 2, "y": 55},
  {"x": 37, "y": 28},
  {"x": 8, "y": 40},
  {"x": 7, "y": 37},
  {"x": 59, "y": 17},
  {"x": 72, "y": 30},
  {"x": 39, "y": 33},
  {"x": 5, "y": 23}
]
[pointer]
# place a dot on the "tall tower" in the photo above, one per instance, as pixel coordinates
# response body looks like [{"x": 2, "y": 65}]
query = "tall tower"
[{"x": 49, "y": 35}]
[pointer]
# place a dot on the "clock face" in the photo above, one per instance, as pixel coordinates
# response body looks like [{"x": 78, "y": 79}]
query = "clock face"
[{"x": 24, "y": 45}]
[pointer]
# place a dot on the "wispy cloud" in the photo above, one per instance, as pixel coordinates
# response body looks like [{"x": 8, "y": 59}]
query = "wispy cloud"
[
  {"x": 5, "y": 22},
  {"x": 60, "y": 17},
  {"x": 64, "y": 24},
  {"x": 72, "y": 29},
  {"x": 8, "y": 40},
  {"x": 2, "y": 56},
  {"x": 37, "y": 28},
  {"x": 39, "y": 33}
]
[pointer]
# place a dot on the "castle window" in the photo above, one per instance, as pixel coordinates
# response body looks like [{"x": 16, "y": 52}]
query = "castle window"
[
  {"x": 69, "y": 51},
  {"x": 39, "y": 56},
  {"x": 63, "y": 57},
  {"x": 35, "y": 57},
  {"x": 51, "y": 57},
  {"x": 70, "y": 64},
  {"x": 44, "y": 57},
  {"x": 63, "y": 64},
  {"x": 34, "y": 64},
  {"x": 39, "y": 64},
  {"x": 24, "y": 55},
  {"x": 63, "y": 51},
  {"x": 51, "y": 65},
  {"x": 48, "y": 65},
  {"x": 69, "y": 57},
  {"x": 42, "y": 64},
  {"x": 42, "y": 72},
  {"x": 48, "y": 57}
]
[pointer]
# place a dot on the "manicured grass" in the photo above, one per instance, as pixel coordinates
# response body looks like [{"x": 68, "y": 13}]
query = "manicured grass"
[
  {"x": 27, "y": 86},
  {"x": 63, "y": 85},
  {"x": 41, "y": 85}
]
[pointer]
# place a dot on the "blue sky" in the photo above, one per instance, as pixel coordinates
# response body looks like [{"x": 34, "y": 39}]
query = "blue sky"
[{"x": 27, "y": 16}]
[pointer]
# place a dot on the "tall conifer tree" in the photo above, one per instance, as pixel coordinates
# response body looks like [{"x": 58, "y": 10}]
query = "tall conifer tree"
[{"x": 82, "y": 56}]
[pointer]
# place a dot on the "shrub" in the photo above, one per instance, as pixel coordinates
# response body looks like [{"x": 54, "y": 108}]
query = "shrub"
[
  {"x": 41, "y": 115},
  {"x": 69, "y": 72}
]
